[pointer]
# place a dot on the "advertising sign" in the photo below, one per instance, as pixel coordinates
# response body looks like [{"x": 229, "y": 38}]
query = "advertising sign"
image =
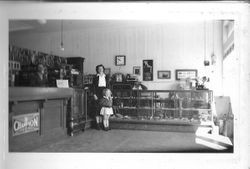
[
  {"x": 186, "y": 73},
  {"x": 25, "y": 123},
  {"x": 147, "y": 70},
  {"x": 62, "y": 83}
]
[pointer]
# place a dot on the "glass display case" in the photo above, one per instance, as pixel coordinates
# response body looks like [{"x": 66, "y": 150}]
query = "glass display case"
[{"x": 187, "y": 106}]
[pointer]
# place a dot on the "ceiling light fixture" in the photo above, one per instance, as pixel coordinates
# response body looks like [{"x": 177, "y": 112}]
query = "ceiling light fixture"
[
  {"x": 61, "y": 45},
  {"x": 213, "y": 57},
  {"x": 206, "y": 62}
]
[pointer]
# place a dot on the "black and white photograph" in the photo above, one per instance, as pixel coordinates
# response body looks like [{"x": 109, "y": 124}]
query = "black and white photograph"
[
  {"x": 120, "y": 60},
  {"x": 177, "y": 93},
  {"x": 186, "y": 73},
  {"x": 137, "y": 70},
  {"x": 164, "y": 74},
  {"x": 147, "y": 68},
  {"x": 73, "y": 111}
]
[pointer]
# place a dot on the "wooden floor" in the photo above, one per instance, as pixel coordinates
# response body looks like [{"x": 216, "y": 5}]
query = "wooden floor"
[{"x": 117, "y": 140}]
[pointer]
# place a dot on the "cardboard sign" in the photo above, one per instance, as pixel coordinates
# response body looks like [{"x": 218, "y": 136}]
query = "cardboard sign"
[
  {"x": 186, "y": 73},
  {"x": 25, "y": 123},
  {"x": 62, "y": 83}
]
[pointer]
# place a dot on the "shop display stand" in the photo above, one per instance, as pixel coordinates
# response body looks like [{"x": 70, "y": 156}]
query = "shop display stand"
[
  {"x": 164, "y": 110},
  {"x": 77, "y": 116},
  {"x": 77, "y": 119}
]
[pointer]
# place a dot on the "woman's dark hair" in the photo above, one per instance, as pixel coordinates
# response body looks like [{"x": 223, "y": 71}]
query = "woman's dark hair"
[{"x": 96, "y": 68}]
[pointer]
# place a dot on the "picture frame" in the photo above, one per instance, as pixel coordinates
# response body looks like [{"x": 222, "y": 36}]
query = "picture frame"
[
  {"x": 137, "y": 70},
  {"x": 120, "y": 60},
  {"x": 164, "y": 74},
  {"x": 186, "y": 73},
  {"x": 147, "y": 70},
  {"x": 107, "y": 71}
]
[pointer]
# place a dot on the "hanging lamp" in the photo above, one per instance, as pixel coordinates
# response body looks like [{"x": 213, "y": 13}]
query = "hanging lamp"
[
  {"x": 213, "y": 57},
  {"x": 206, "y": 62},
  {"x": 61, "y": 45}
]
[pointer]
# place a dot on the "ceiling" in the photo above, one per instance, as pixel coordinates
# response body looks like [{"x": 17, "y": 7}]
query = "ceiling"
[
  {"x": 40, "y": 26},
  {"x": 55, "y": 25},
  {"x": 45, "y": 26}
]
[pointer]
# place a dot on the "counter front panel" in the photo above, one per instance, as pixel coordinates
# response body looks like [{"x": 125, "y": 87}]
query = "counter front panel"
[{"x": 36, "y": 116}]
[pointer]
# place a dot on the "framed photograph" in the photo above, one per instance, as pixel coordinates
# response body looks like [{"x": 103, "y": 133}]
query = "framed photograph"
[
  {"x": 186, "y": 73},
  {"x": 147, "y": 70},
  {"x": 120, "y": 60},
  {"x": 107, "y": 71},
  {"x": 137, "y": 70},
  {"x": 164, "y": 74}
]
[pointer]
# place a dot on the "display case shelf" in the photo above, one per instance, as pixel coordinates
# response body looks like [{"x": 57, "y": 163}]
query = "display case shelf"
[
  {"x": 124, "y": 98},
  {"x": 125, "y": 107}
]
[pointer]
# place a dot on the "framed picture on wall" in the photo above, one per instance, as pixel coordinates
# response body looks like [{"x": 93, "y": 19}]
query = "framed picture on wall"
[
  {"x": 147, "y": 70},
  {"x": 120, "y": 60},
  {"x": 186, "y": 73},
  {"x": 137, "y": 70},
  {"x": 107, "y": 71},
  {"x": 164, "y": 74}
]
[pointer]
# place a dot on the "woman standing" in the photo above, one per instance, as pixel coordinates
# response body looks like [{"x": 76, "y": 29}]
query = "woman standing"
[{"x": 100, "y": 82}]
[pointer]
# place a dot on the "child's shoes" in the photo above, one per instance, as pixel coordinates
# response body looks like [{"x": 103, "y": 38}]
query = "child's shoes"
[{"x": 98, "y": 127}]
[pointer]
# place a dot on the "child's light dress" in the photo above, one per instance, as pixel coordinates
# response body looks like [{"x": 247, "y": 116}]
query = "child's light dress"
[
  {"x": 106, "y": 106},
  {"x": 106, "y": 111}
]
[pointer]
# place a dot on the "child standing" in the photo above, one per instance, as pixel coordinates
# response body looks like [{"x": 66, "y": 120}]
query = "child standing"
[{"x": 106, "y": 103}]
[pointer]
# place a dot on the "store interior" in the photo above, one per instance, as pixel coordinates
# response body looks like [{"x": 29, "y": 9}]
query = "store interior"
[{"x": 170, "y": 80}]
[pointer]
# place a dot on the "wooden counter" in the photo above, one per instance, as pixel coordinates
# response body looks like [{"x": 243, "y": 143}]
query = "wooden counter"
[{"x": 36, "y": 116}]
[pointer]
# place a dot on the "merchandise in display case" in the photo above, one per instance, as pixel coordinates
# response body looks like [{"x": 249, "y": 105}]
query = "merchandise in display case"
[{"x": 163, "y": 106}]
